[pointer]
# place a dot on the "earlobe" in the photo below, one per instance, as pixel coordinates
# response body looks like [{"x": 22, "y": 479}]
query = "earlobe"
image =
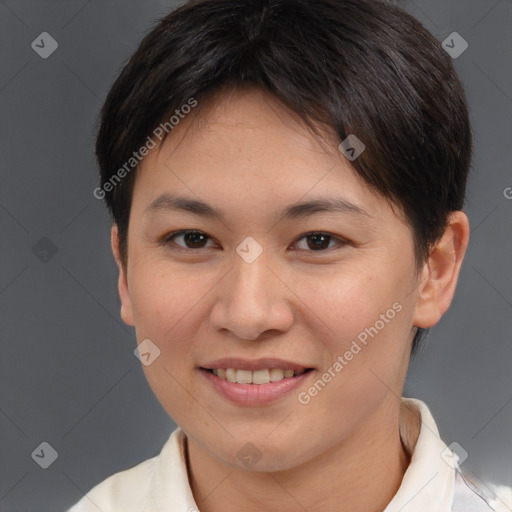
[
  {"x": 437, "y": 283},
  {"x": 122, "y": 282}
]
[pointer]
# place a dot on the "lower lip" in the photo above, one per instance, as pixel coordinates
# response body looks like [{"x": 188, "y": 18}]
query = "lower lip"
[{"x": 254, "y": 394}]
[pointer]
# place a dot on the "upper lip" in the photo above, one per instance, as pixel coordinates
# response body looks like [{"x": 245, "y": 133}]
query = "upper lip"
[{"x": 254, "y": 365}]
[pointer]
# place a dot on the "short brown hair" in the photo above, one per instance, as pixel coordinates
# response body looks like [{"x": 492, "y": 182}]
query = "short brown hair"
[{"x": 362, "y": 67}]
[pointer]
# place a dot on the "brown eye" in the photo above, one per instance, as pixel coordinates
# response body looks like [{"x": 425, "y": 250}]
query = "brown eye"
[
  {"x": 190, "y": 239},
  {"x": 320, "y": 241},
  {"x": 194, "y": 239}
]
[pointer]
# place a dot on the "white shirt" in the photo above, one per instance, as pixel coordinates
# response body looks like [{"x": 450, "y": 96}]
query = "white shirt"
[{"x": 432, "y": 482}]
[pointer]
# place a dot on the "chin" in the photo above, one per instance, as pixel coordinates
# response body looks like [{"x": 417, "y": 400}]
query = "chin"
[{"x": 263, "y": 456}]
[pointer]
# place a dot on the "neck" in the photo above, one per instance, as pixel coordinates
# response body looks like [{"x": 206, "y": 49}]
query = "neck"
[{"x": 359, "y": 474}]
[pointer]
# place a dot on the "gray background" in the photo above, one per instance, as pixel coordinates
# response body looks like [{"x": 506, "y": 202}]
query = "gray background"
[{"x": 68, "y": 375}]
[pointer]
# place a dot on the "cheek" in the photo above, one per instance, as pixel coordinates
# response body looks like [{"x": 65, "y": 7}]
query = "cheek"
[
  {"x": 163, "y": 308},
  {"x": 166, "y": 307},
  {"x": 361, "y": 322},
  {"x": 163, "y": 297},
  {"x": 347, "y": 302}
]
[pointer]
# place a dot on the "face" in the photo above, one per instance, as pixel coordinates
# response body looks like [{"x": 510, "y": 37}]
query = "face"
[{"x": 265, "y": 284}]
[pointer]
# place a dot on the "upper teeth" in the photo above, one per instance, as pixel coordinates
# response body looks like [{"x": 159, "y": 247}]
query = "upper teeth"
[{"x": 256, "y": 377}]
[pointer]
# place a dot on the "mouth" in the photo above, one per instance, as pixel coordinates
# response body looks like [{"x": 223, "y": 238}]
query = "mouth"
[
  {"x": 254, "y": 383},
  {"x": 256, "y": 377}
]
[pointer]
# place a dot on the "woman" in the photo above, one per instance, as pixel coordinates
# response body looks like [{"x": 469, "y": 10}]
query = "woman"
[{"x": 286, "y": 180}]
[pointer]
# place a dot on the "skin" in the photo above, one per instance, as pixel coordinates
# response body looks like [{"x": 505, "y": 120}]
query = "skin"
[{"x": 248, "y": 156}]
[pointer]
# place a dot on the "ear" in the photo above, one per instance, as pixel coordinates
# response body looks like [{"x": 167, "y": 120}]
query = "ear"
[
  {"x": 438, "y": 280},
  {"x": 122, "y": 283}
]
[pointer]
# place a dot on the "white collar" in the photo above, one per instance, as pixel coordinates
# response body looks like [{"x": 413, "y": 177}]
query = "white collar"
[
  {"x": 431, "y": 483},
  {"x": 427, "y": 485}
]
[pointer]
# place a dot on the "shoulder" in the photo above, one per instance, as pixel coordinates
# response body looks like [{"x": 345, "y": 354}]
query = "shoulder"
[
  {"x": 131, "y": 489},
  {"x": 125, "y": 490},
  {"x": 502, "y": 500},
  {"x": 452, "y": 488},
  {"x": 468, "y": 497}
]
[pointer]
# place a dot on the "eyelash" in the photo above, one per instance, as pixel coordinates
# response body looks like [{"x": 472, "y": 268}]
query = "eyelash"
[{"x": 168, "y": 239}]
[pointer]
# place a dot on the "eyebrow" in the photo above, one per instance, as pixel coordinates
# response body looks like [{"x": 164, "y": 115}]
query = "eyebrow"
[{"x": 167, "y": 202}]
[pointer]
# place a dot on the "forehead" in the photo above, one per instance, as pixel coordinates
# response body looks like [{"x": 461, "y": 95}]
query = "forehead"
[{"x": 247, "y": 143}]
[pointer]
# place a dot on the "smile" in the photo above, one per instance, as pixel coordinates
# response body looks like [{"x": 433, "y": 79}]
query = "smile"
[
  {"x": 264, "y": 376},
  {"x": 256, "y": 387}
]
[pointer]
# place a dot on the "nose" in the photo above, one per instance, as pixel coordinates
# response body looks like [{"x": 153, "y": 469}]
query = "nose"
[{"x": 251, "y": 300}]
